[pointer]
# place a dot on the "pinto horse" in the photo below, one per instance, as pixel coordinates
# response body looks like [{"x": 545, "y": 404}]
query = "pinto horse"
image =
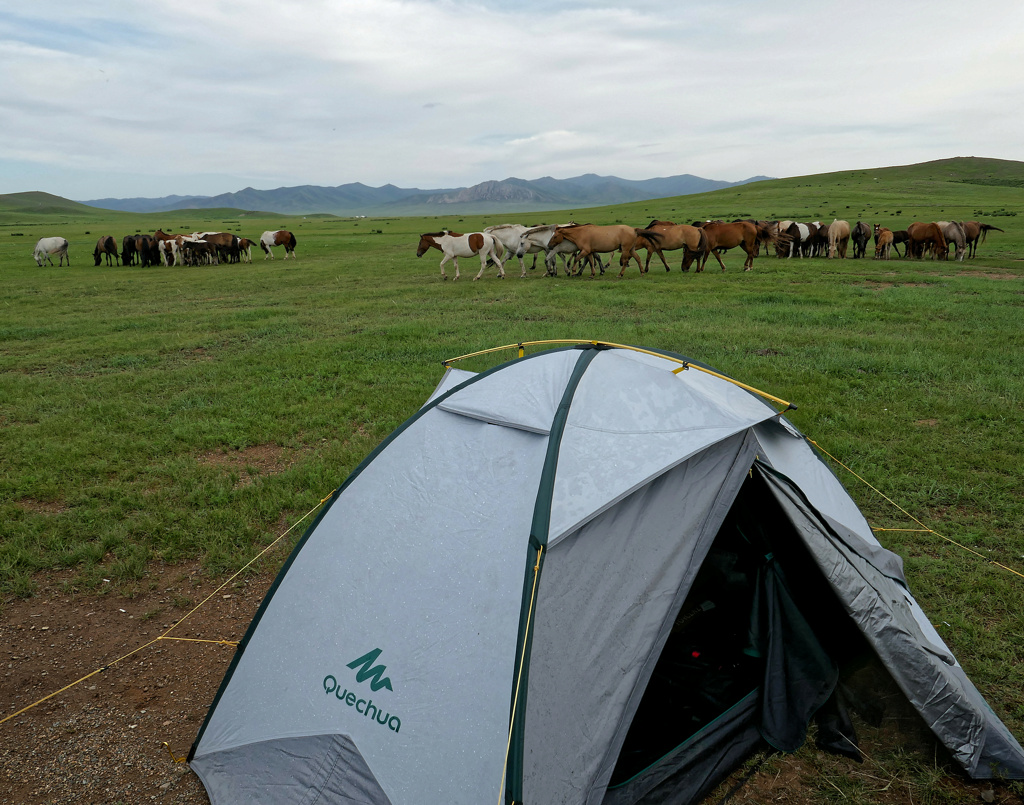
[
  {"x": 593, "y": 239},
  {"x": 691, "y": 239},
  {"x": 453, "y": 246},
  {"x": 282, "y": 237},
  {"x": 106, "y": 246},
  {"x": 744, "y": 234},
  {"x": 46, "y": 247}
]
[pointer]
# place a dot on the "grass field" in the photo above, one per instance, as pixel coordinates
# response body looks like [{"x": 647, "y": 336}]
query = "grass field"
[{"x": 173, "y": 413}]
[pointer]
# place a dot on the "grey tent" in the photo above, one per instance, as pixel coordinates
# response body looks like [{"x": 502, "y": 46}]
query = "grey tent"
[{"x": 592, "y": 575}]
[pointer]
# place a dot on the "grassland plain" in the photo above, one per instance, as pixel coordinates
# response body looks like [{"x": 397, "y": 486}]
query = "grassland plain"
[{"x": 164, "y": 415}]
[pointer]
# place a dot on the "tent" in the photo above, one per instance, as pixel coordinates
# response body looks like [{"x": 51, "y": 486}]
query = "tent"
[{"x": 593, "y": 574}]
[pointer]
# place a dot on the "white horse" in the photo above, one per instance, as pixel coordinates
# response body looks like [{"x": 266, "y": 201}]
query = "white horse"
[
  {"x": 538, "y": 238},
  {"x": 46, "y": 247},
  {"x": 954, "y": 234},
  {"x": 453, "y": 246},
  {"x": 510, "y": 237}
]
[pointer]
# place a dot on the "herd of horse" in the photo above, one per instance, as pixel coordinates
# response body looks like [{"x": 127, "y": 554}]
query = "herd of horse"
[
  {"x": 581, "y": 245},
  {"x": 164, "y": 248}
]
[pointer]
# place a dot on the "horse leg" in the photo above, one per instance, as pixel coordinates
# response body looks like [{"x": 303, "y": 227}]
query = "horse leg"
[
  {"x": 443, "y": 261},
  {"x": 483, "y": 265},
  {"x": 751, "y": 254},
  {"x": 718, "y": 257}
]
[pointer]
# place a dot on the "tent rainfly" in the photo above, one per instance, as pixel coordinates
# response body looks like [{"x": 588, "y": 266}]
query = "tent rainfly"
[{"x": 588, "y": 575}]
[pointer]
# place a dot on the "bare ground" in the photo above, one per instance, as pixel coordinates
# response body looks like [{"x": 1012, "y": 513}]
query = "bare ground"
[{"x": 103, "y": 740}]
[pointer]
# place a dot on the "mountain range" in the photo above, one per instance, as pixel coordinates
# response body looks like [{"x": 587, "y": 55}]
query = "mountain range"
[{"x": 509, "y": 195}]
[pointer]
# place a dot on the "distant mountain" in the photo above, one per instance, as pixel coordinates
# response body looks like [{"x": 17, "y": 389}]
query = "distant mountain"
[{"x": 509, "y": 195}]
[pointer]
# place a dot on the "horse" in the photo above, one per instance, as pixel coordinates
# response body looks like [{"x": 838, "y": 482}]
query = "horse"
[
  {"x": 454, "y": 245},
  {"x": 900, "y": 236},
  {"x": 225, "y": 243},
  {"x": 245, "y": 250},
  {"x": 691, "y": 239},
  {"x": 106, "y": 246},
  {"x": 744, "y": 234},
  {"x": 883, "y": 242},
  {"x": 146, "y": 246},
  {"x": 46, "y": 247},
  {"x": 282, "y": 237},
  {"x": 128, "y": 250},
  {"x": 860, "y": 235},
  {"x": 539, "y": 238},
  {"x": 972, "y": 231},
  {"x": 921, "y": 235},
  {"x": 593, "y": 239},
  {"x": 838, "y": 238},
  {"x": 510, "y": 237},
  {"x": 954, "y": 234}
]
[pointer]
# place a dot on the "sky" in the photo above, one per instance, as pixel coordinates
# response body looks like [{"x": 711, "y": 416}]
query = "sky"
[{"x": 119, "y": 98}]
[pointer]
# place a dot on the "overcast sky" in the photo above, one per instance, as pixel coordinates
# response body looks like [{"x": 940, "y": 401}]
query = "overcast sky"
[{"x": 120, "y": 98}]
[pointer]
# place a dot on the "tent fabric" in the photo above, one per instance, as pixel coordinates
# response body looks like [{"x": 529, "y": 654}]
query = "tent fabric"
[{"x": 478, "y": 611}]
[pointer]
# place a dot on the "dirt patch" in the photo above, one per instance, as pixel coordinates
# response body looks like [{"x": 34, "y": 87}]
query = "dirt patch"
[
  {"x": 252, "y": 462},
  {"x": 927, "y": 423},
  {"x": 42, "y": 506},
  {"x": 102, "y": 739},
  {"x": 989, "y": 275}
]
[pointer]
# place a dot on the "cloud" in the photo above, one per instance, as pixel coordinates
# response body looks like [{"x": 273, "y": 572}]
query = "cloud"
[{"x": 117, "y": 98}]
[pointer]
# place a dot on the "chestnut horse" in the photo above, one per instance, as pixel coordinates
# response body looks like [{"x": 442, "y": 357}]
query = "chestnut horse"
[
  {"x": 593, "y": 239},
  {"x": 744, "y": 234},
  {"x": 974, "y": 230},
  {"x": 690, "y": 239},
  {"x": 883, "y": 242},
  {"x": 921, "y": 235},
  {"x": 282, "y": 237}
]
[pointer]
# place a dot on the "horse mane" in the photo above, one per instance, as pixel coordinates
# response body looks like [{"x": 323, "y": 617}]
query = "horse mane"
[
  {"x": 440, "y": 234},
  {"x": 658, "y": 223}
]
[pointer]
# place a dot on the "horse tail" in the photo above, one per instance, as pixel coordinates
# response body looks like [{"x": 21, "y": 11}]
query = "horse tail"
[
  {"x": 650, "y": 235},
  {"x": 702, "y": 242},
  {"x": 985, "y": 230}
]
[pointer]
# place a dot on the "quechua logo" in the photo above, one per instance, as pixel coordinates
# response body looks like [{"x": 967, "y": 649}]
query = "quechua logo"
[{"x": 365, "y": 670}]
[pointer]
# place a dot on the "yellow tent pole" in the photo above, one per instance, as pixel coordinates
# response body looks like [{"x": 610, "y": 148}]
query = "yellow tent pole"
[{"x": 684, "y": 365}]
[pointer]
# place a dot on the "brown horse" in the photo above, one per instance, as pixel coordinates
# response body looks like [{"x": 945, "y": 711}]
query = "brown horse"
[
  {"x": 974, "y": 230},
  {"x": 106, "y": 246},
  {"x": 592, "y": 239},
  {"x": 744, "y": 234},
  {"x": 860, "y": 235},
  {"x": 690, "y": 239},
  {"x": 883, "y": 242},
  {"x": 926, "y": 235}
]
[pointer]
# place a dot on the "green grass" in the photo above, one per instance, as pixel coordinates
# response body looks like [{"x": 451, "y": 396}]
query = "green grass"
[{"x": 131, "y": 400}]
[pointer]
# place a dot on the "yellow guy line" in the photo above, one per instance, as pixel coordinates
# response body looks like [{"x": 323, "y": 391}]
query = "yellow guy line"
[
  {"x": 684, "y": 365},
  {"x": 924, "y": 528},
  {"x": 176, "y": 625},
  {"x": 519, "y": 677}
]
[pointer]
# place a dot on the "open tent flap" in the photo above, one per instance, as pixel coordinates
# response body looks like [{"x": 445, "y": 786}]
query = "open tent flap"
[
  {"x": 920, "y": 662},
  {"x": 753, "y": 655}
]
